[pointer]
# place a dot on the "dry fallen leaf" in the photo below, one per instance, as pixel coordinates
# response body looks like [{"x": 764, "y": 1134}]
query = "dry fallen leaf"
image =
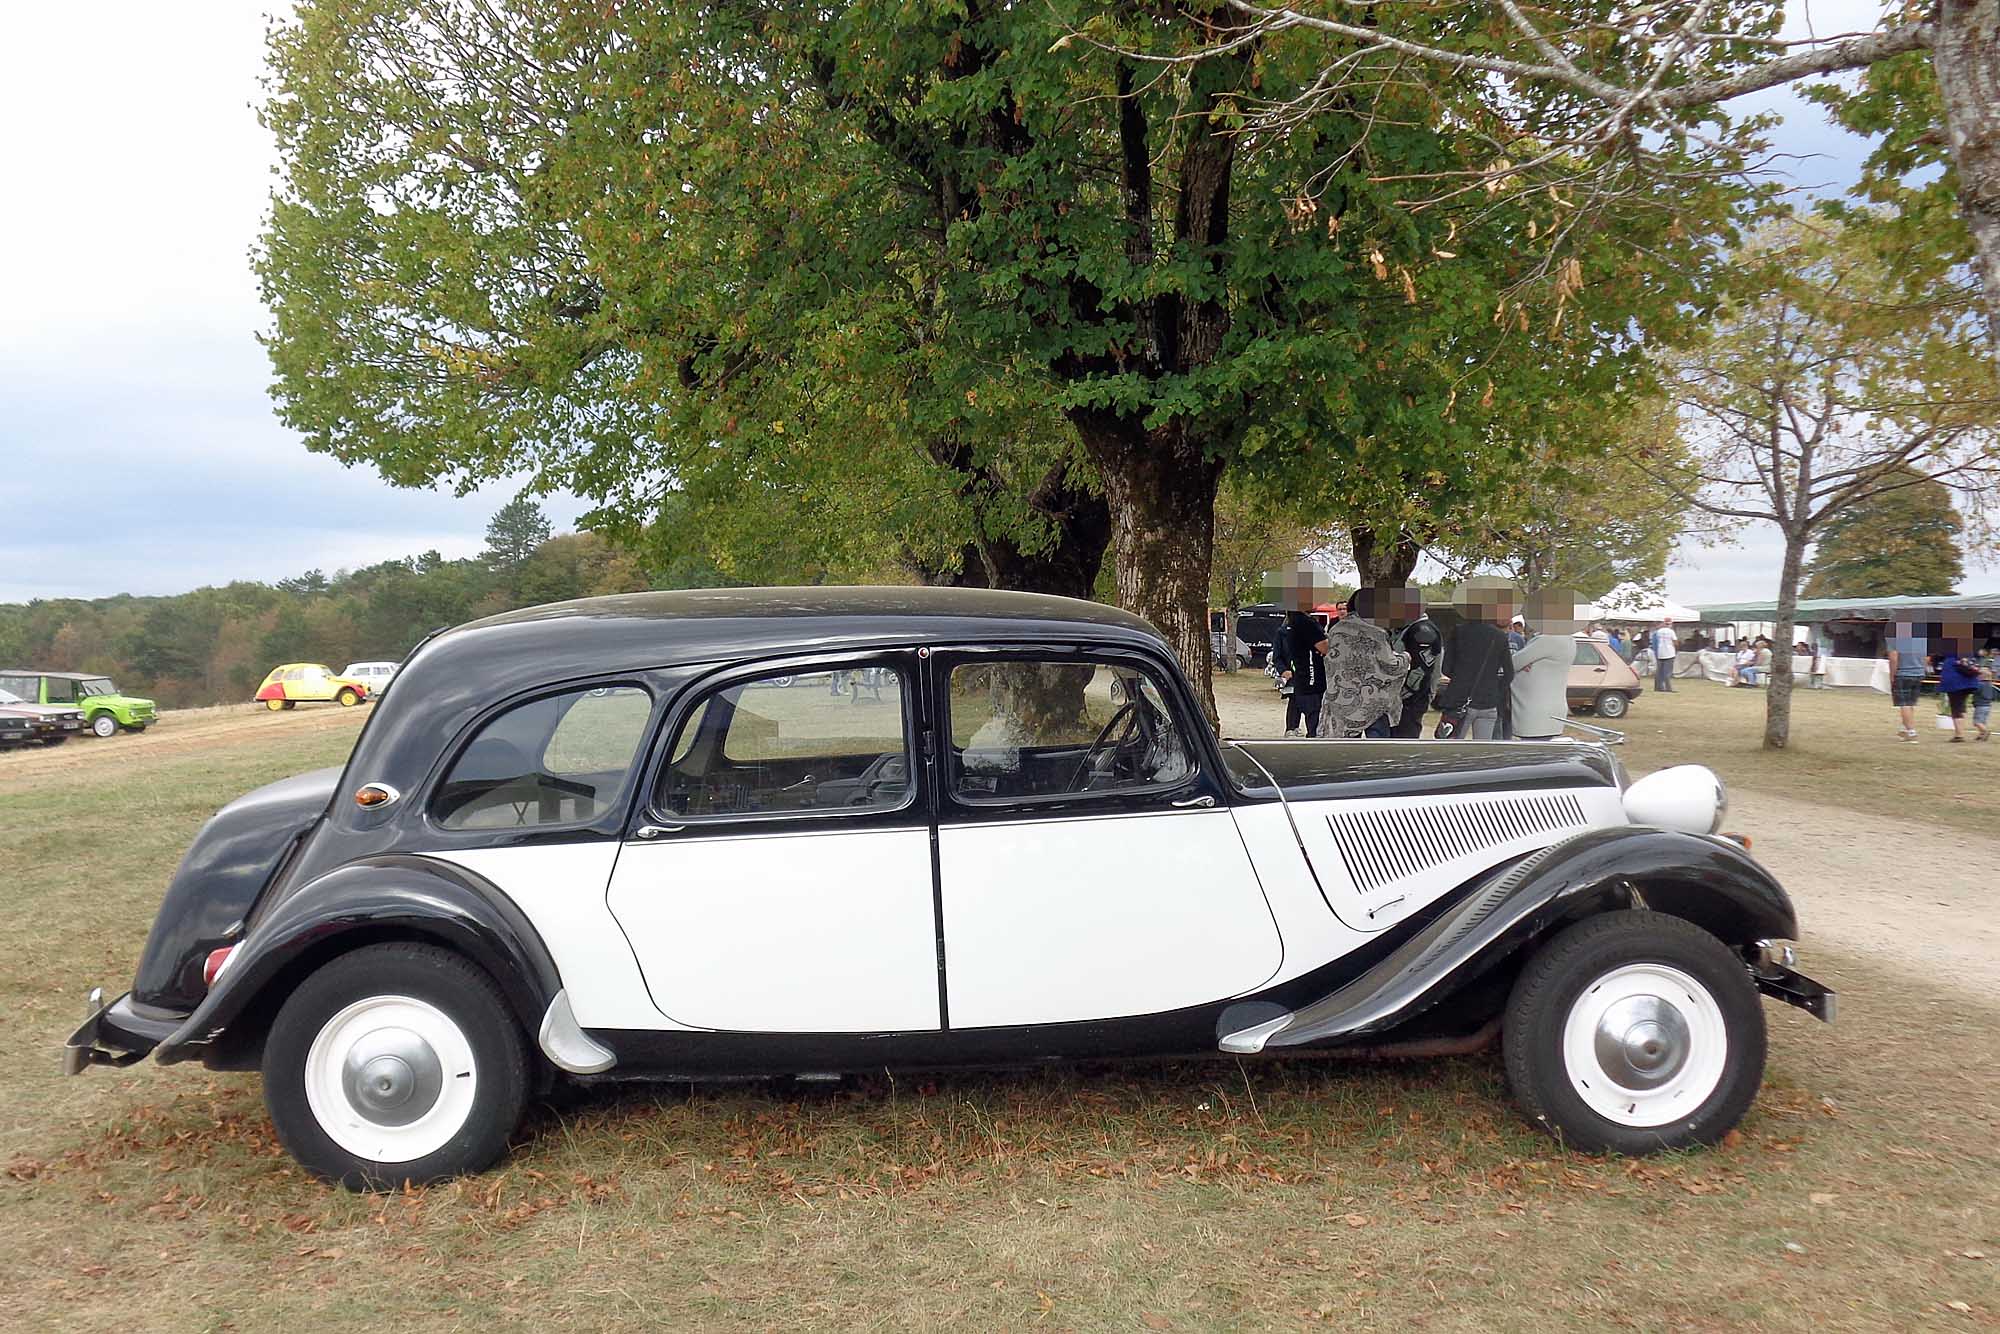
[{"x": 1822, "y": 1197}]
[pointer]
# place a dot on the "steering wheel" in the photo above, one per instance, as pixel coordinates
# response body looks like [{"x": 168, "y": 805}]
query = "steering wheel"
[{"x": 1132, "y": 713}]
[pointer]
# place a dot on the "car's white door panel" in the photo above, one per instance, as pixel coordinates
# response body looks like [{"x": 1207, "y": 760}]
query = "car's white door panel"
[
  {"x": 1050, "y": 921},
  {"x": 820, "y": 931},
  {"x": 1380, "y": 859},
  {"x": 560, "y": 888}
]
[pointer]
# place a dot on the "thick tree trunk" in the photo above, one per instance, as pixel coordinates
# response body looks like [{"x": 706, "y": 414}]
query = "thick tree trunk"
[
  {"x": 1778, "y": 699},
  {"x": 1966, "y": 56},
  {"x": 1066, "y": 566},
  {"x": 1161, "y": 487},
  {"x": 1384, "y": 560}
]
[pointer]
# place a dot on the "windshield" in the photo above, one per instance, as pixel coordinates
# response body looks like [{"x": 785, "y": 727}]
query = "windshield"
[{"x": 99, "y": 685}]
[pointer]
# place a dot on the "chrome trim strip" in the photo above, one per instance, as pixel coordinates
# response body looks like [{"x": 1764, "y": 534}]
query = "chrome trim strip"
[{"x": 567, "y": 1045}]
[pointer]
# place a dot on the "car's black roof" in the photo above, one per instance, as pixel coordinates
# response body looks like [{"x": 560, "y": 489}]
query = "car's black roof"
[{"x": 464, "y": 670}]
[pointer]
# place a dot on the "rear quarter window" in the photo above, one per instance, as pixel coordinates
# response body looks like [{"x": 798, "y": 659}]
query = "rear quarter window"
[{"x": 559, "y": 760}]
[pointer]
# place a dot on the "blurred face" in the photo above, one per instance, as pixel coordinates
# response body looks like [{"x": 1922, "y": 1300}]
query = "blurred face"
[
  {"x": 1552, "y": 611},
  {"x": 1296, "y": 586}
]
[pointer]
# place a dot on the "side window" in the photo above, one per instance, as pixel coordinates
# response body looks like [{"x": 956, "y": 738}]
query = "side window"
[
  {"x": 24, "y": 686},
  {"x": 60, "y": 691},
  {"x": 1023, "y": 728},
  {"x": 790, "y": 744},
  {"x": 559, "y": 760},
  {"x": 1586, "y": 654}
]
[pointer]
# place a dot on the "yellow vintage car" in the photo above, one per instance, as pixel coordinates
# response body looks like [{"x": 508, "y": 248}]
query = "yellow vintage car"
[{"x": 311, "y": 682}]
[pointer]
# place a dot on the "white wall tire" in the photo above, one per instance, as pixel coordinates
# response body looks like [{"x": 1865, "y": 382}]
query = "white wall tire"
[
  {"x": 1634, "y": 1032},
  {"x": 398, "y": 1062},
  {"x": 104, "y": 725}
]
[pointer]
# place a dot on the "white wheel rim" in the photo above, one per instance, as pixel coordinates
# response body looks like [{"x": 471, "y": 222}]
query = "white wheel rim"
[
  {"x": 1645, "y": 1045},
  {"x": 391, "y": 1079}
]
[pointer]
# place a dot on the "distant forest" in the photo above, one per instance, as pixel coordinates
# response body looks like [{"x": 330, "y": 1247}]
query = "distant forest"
[{"x": 214, "y": 645}]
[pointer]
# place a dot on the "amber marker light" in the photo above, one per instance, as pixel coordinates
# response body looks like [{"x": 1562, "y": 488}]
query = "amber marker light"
[{"x": 370, "y": 795}]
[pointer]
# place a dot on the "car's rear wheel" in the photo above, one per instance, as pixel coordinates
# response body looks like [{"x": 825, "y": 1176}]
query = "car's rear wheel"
[
  {"x": 347, "y": 699},
  {"x": 398, "y": 1062},
  {"x": 1612, "y": 704},
  {"x": 275, "y": 704},
  {"x": 1634, "y": 1032},
  {"x": 104, "y": 725}
]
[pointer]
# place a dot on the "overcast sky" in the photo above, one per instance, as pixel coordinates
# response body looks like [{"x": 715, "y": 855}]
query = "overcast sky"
[{"x": 143, "y": 453}]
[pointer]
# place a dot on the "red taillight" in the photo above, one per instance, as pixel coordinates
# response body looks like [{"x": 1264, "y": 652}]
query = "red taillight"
[{"x": 213, "y": 965}]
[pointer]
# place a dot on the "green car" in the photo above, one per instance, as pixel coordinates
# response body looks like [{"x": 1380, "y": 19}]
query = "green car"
[{"x": 104, "y": 709}]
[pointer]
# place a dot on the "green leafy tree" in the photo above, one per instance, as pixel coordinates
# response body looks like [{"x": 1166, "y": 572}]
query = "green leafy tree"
[
  {"x": 930, "y": 282},
  {"x": 1901, "y": 542},
  {"x": 517, "y": 528}
]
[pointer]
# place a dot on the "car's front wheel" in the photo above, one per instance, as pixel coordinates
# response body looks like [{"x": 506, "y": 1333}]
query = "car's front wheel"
[
  {"x": 398, "y": 1062},
  {"x": 347, "y": 699},
  {"x": 104, "y": 725},
  {"x": 1612, "y": 704},
  {"x": 1633, "y": 1032}
]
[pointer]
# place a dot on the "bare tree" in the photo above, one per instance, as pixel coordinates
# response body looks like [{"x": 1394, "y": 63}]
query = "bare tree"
[
  {"x": 1817, "y": 393},
  {"x": 1581, "y": 98}
]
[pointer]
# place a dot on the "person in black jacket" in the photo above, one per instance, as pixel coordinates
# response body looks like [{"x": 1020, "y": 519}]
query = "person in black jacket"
[
  {"x": 1478, "y": 666},
  {"x": 1424, "y": 642},
  {"x": 1300, "y": 658}
]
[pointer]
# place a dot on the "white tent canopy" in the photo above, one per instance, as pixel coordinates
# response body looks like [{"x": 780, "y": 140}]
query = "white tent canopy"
[{"x": 1636, "y": 602}]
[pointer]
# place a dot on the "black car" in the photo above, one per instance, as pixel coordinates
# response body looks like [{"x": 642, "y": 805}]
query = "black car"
[{"x": 810, "y": 831}]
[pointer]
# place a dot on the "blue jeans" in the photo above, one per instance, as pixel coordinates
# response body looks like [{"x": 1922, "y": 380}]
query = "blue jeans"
[{"x": 1663, "y": 674}]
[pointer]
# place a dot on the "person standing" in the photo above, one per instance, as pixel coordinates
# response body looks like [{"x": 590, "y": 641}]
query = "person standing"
[
  {"x": 1300, "y": 656},
  {"x": 1958, "y": 678},
  {"x": 1424, "y": 642},
  {"x": 1617, "y": 642},
  {"x": 1665, "y": 644},
  {"x": 1539, "y": 692},
  {"x": 1364, "y": 671},
  {"x": 1988, "y": 665},
  {"x": 1907, "y": 662},
  {"x": 1478, "y": 667}
]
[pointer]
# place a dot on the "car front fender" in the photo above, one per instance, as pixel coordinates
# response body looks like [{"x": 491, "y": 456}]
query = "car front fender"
[
  {"x": 1708, "y": 880},
  {"x": 378, "y": 898}
]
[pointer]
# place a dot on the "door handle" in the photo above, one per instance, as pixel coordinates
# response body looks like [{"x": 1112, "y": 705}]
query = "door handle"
[
  {"x": 1202, "y": 801},
  {"x": 651, "y": 831}
]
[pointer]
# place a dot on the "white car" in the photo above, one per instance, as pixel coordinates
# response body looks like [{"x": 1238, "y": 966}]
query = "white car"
[
  {"x": 375, "y": 675},
  {"x": 601, "y": 841}
]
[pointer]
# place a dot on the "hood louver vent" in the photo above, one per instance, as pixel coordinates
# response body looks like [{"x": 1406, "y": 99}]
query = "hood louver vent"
[{"x": 1382, "y": 847}]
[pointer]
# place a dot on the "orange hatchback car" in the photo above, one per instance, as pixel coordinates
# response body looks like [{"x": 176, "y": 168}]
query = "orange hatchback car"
[{"x": 1600, "y": 681}]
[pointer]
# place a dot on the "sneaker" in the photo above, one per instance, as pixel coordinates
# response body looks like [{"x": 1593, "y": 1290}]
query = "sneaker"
[
  {"x": 1293, "y": 731},
  {"x": 1910, "y": 737}
]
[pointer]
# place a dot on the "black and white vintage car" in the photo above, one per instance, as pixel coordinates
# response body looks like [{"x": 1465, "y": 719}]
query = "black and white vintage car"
[{"x": 812, "y": 831}]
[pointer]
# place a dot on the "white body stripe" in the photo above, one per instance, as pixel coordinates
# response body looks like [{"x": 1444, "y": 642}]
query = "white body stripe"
[{"x": 1059, "y": 920}]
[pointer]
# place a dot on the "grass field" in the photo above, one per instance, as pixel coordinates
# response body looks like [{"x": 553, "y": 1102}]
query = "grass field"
[{"x": 1862, "y": 1193}]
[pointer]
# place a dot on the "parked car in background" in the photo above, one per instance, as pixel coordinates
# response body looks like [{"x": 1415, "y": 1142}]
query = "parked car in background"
[
  {"x": 294, "y": 683},
  {"x": 59, "y": 722},
  {"x": 21, "y": 728},
  {"x": 375, "y": 675},
  {"x": 1600, "y": 681},
  {"x": 105, "y": 708},
  {"x": 1257, "y": 626},
  {"x": 599, "y": 841}
]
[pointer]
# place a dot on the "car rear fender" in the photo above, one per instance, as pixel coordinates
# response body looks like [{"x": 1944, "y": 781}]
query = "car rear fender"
[
  {"x": 1708, "y": 880},
  {"x": 391, "y": 897}
]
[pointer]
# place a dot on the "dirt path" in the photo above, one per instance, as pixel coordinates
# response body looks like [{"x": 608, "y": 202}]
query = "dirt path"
[
  {"x": 1899, "y": 891},
  {"x": 178, "y": 731}
]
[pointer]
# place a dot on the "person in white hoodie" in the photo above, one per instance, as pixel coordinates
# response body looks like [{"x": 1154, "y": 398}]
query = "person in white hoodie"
[{"x": 1539, "y": 693}]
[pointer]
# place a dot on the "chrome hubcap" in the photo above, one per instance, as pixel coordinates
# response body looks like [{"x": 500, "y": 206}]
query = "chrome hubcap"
[
  {"x": 1641, "y": 1042},
  {"x": 392, "y": 1076}
]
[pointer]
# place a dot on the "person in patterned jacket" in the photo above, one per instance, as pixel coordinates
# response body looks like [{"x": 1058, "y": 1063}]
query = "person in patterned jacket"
[{"x": 1364, "y": 670}]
